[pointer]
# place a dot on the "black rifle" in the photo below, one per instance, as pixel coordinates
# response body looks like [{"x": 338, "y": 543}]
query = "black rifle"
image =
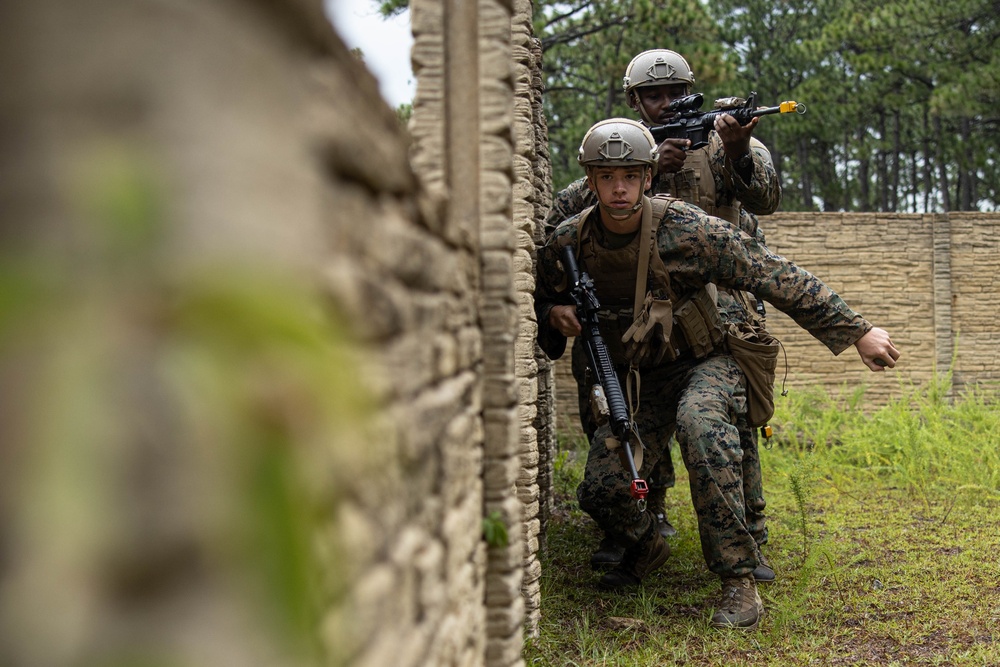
[
  {"x": 607, "y": 391},
  {"x": 690, "y": 123}
]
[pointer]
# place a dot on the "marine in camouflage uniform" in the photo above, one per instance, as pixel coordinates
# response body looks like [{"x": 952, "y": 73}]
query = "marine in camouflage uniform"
[
  {"x": 702, "y": 396},
  {"x": 707, "y": 176}
]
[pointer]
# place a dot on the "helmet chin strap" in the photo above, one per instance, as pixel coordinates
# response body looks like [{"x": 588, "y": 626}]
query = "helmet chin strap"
[
  {"x": 618, "y": 214},
  {"x": 634, "y": 95}
]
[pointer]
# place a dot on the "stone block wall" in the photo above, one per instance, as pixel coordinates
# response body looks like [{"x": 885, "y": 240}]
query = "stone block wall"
[
  {"x": 270, "y": 359},
  {"x": 924, "y": 278}
]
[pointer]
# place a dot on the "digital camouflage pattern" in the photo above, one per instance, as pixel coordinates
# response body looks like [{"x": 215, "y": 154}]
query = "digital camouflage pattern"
[
  {"x": 708, "y": 395},
  {"x": 697, "y": 249},
  {"x": 705, "y": 401},
  {"x": 761, "y": 195},
  {"x": 663, "y": 475}
]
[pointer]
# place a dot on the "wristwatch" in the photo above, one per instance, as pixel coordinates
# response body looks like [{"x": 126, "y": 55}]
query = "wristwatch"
[{"x": 744, "y": 163}]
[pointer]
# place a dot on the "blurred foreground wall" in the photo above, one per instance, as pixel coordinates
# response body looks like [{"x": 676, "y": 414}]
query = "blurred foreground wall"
[{"x": 268, "y": 381}]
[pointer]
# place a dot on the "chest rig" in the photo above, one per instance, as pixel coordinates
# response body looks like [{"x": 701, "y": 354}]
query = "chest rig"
[
  {"x": 695, "y": 184},
  {"x": 642, "y": 319}
]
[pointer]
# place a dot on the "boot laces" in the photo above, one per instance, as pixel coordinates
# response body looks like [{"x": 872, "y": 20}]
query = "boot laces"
[{"x": 732, "y": 595}]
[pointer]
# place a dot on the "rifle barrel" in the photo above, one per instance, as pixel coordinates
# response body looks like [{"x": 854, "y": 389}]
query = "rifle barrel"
[{"x": 785, "y": 107}]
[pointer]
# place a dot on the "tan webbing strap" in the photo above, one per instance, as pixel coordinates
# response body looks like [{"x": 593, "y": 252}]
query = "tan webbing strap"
[
  {"x": 633, "y": 379},
  {"x": 584, "y": 214},
  {"x": 645, "y": 246},
  {"x": 652, "y": 211}
]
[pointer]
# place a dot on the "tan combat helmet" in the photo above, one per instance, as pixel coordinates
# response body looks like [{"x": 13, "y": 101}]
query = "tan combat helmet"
[
  {"x": 657, "y": 67},
  {"x": 617, "y": 142}
]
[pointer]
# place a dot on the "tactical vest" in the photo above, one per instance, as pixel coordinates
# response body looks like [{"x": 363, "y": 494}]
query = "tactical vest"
[
  {"x": 695, "y": 184},
  {"x": 696, "y": 327}
]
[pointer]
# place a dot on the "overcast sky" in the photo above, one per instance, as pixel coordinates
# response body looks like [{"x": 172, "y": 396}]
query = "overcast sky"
[{"x": 386, "y": 44}]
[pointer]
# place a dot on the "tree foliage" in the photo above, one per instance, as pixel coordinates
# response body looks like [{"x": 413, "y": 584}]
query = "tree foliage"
[
  {"x": 390, "y": 8},
  {"x": 902, "y": 95},
  {"x": 588, "y": 44}
]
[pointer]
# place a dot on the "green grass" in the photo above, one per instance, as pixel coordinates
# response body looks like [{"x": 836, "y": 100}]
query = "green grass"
[{"x": 884, "y": 533}]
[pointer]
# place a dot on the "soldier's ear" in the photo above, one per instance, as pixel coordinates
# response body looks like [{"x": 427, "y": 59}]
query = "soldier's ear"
[
  {"x": 590, "y": 180},
  {"x": 633, "y": 100}
]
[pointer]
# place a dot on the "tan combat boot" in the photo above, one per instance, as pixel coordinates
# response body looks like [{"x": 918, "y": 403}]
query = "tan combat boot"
[
  {"x": 740, "y": 606},
  {"x": 638, "y": 561}
]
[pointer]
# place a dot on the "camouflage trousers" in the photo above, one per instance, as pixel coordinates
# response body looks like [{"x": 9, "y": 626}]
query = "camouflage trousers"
[
  {"x": 704, "y": 402},
  {"x": 660, "y": 477}
]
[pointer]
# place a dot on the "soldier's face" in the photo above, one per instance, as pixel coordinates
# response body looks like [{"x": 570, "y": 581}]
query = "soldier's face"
[
  {"x": 654, "y": 101},
  {"x": 618, "y": 188}
]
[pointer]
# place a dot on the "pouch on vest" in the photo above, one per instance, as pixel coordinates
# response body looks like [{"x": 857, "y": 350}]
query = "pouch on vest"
[
  {"x": 647, "y": 341},
  {"x": 756, "y": 351},
  {"x": 698, "y": 318}
]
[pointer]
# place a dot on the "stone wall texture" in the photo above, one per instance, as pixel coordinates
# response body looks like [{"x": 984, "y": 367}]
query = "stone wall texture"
[
  {"x": 269, "y": 387},
  {"x": 921, "y": 277},
  {"x": 317, "y": 325}
]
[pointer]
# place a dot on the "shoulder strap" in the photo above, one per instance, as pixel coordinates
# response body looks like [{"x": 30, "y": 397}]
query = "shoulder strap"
[
  {"x": 646, "y": 231},
  {"x": 562, "y": 240},
  {"x": 658, "y": 205},
  {"x": 584, "y": 215}
]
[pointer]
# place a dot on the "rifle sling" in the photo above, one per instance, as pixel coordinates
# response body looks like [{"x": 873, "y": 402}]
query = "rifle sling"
[
  {"x": 645, "y": 247},
  {"x": 646, "y": 232}
]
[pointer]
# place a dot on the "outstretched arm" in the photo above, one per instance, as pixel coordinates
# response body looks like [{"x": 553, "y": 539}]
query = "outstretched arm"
[{"x": 697, "y": 248}]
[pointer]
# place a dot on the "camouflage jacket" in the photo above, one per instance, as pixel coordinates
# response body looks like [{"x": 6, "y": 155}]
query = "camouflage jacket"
[{"x": 697, "y": 249}]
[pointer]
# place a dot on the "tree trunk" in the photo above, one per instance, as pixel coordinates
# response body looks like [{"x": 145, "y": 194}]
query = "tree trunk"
[
  {"x": 928, "y": 184},
  {"x": 881, "y": 167},
  {"x": 864, "y": 167},
  {"x": 942, "y": 167},
  {"x": 614, "y": 82},
  {"x": 846, "y": 185},
  {"x": 897, "y": 149},
  {"x": 966, "y": 171},
  {"x": 807, "y": 196}
]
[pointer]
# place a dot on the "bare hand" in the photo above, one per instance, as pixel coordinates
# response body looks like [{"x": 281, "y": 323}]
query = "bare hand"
[
  {"x": 735, "y": 137},
  {"x": 876, "y": 350},
  {"x": 673, "y": 152},
  {"x": 563, "y": 319}
]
